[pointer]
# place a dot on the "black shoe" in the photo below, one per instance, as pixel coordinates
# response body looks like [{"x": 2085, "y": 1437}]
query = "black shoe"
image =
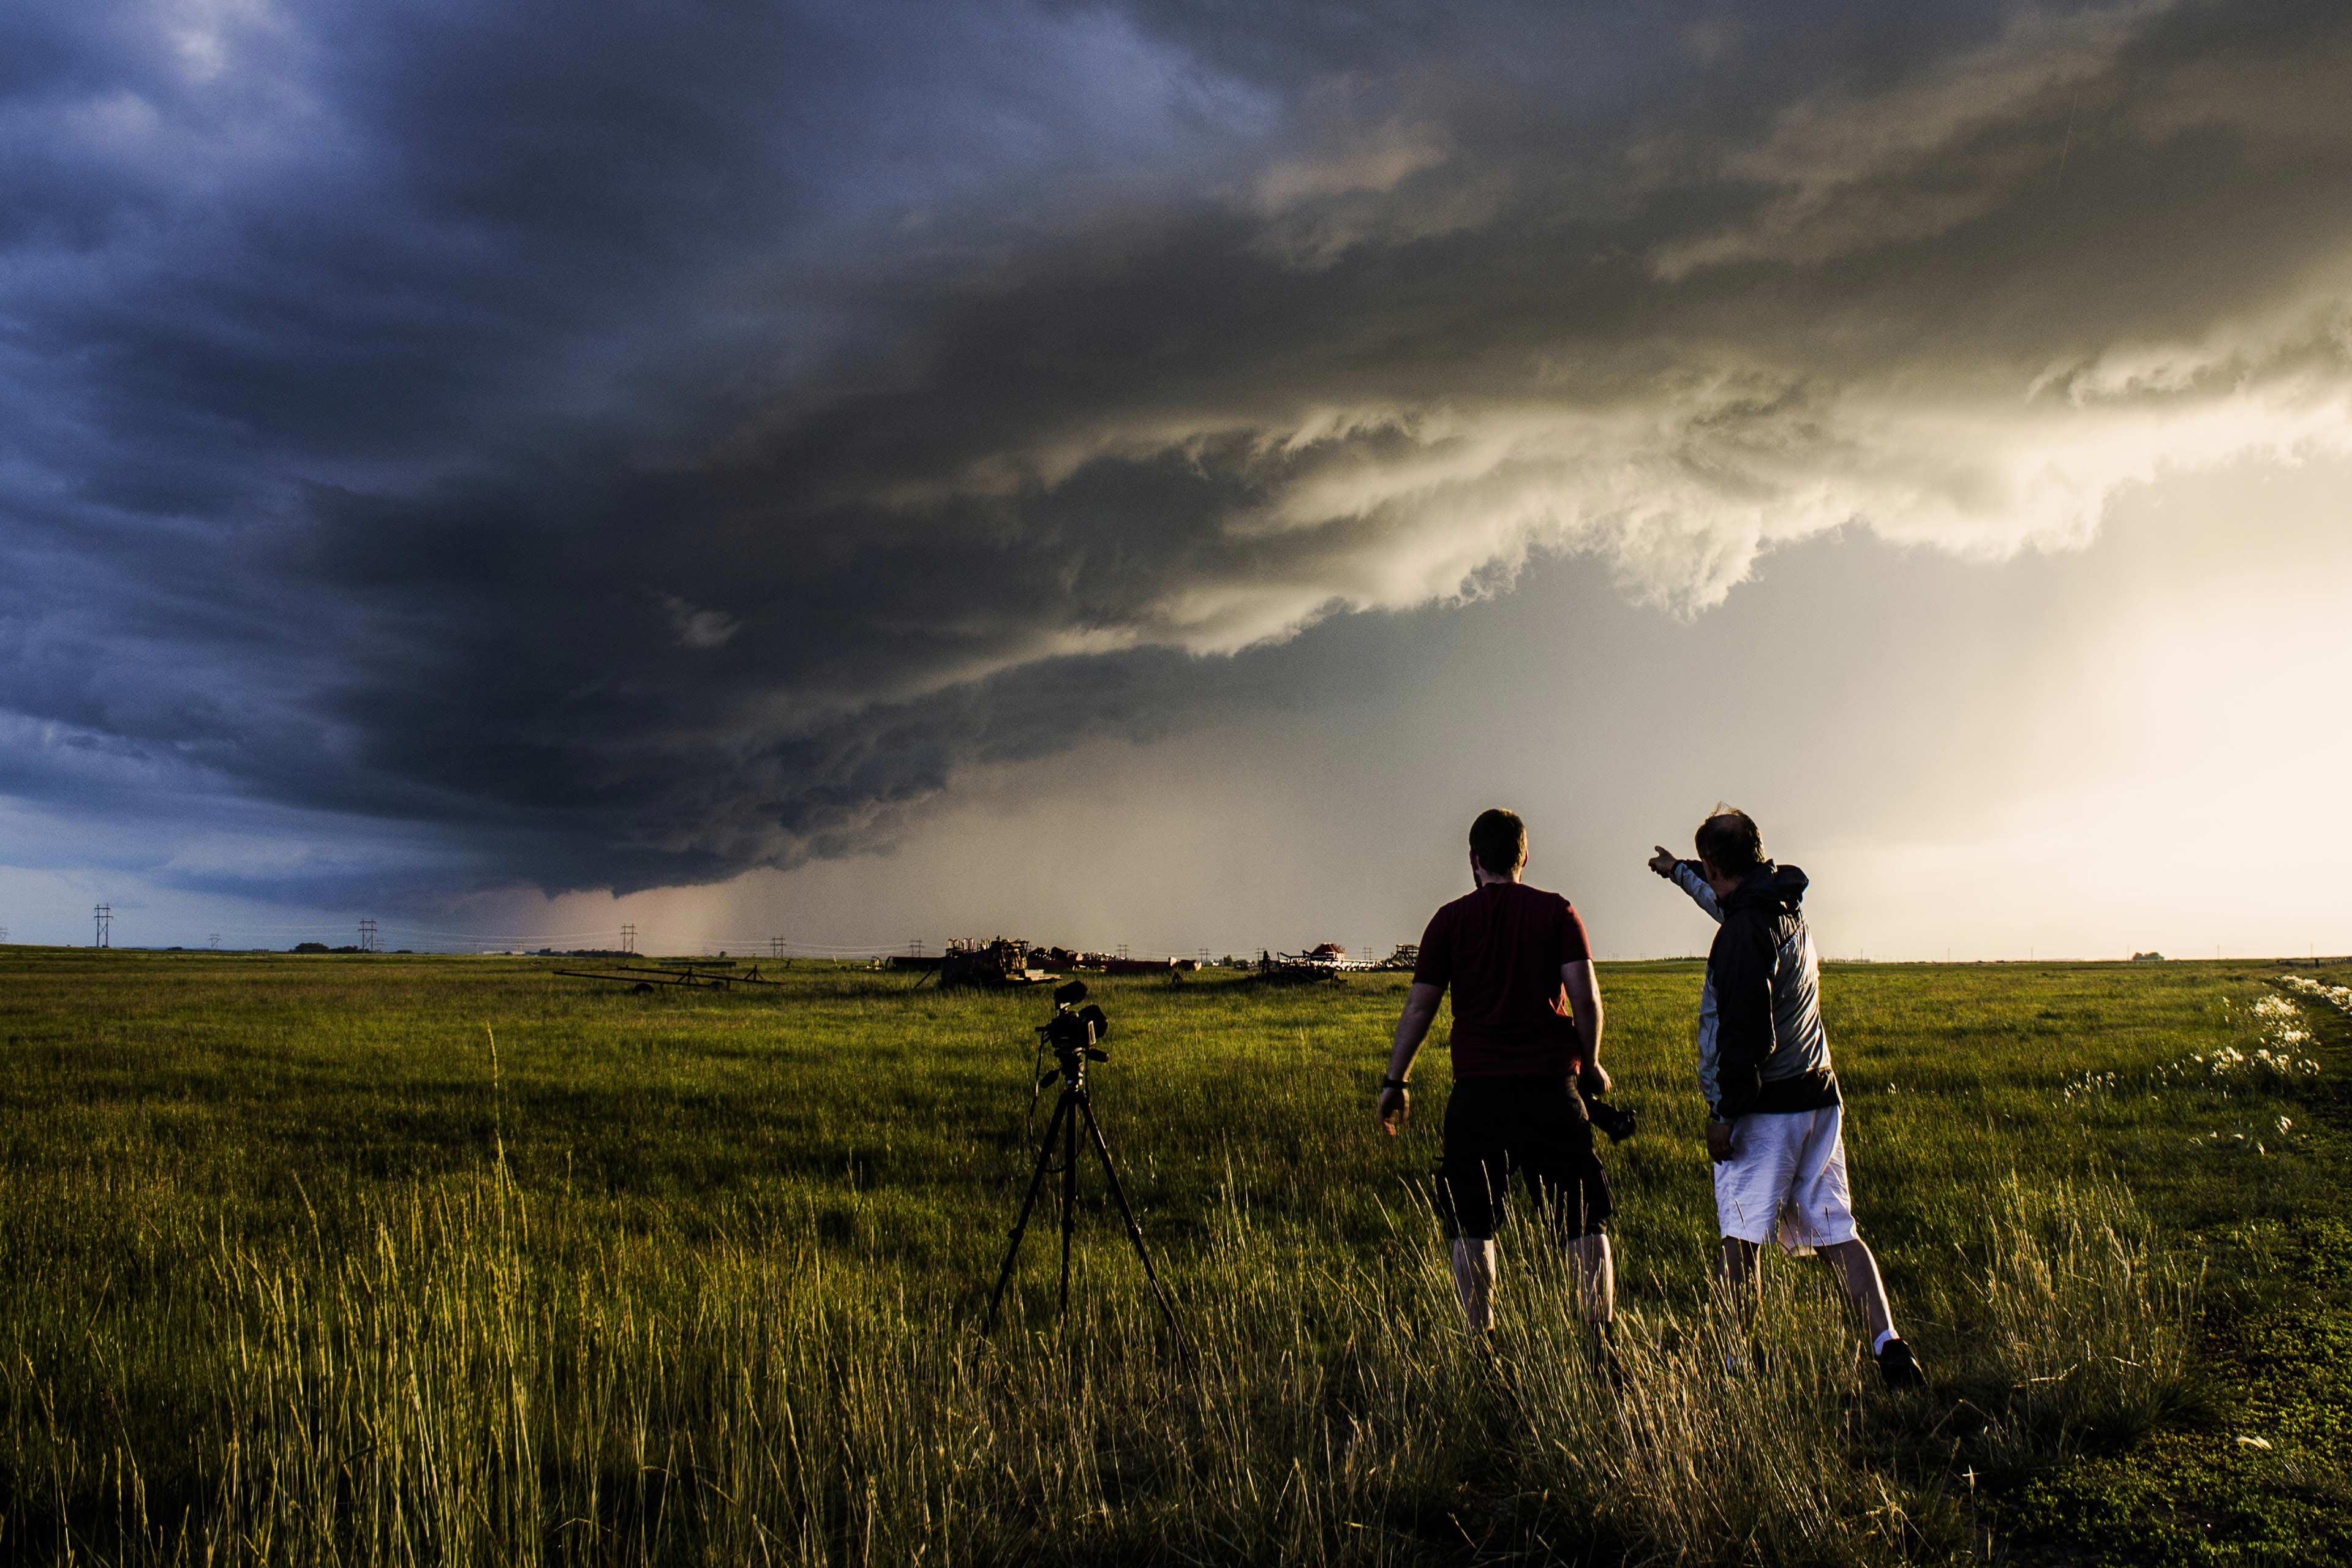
[{"x": 1899, "y": 1367}]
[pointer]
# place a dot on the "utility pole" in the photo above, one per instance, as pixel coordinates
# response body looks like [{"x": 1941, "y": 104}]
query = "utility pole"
[
  {"x": 367, "y": 937},
  {"x": 629, "y": 938},
  {"x": 775, "y": 947},
  {"x": 3, "y": 935},
  {"x": 101, "y": 918}
]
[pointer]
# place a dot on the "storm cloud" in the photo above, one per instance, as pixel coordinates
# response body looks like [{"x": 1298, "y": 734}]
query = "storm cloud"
[{"x": 629, "y": 445}]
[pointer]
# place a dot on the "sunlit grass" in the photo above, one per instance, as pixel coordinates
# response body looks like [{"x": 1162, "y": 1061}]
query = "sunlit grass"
[{"x": 290, "y": 1277}]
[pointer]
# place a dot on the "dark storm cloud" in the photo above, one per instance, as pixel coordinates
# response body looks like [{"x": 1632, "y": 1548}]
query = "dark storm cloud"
[{"x": 634, "y": 445}]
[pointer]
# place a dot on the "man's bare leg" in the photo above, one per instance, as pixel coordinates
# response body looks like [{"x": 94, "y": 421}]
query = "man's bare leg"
[
  {"x": 1741, "y": 1275},
  {"x": 1596, "y": 1292},
  {"x": 1743, "y": 1285},
  {"x": 1596, "y": 1277},
  {"x": 1857, "y": 1273},
  {"x": 1474, "y": 1279}
]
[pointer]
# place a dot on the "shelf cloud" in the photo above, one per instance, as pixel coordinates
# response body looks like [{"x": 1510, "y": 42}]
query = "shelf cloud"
[{"x": 632, "y": 449}]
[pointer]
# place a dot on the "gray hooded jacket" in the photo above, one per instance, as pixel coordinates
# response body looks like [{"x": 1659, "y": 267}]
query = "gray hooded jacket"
[{"x": 1761, "y": 1046}]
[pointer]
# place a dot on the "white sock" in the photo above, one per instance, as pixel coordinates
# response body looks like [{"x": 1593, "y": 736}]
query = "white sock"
[{"x": 1879, "y": 1345}]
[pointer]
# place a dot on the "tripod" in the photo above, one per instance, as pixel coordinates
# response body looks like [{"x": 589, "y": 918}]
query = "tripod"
[{"x": 1072, "y": 1105}]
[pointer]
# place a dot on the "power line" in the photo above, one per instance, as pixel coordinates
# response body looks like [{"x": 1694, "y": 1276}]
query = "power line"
[{"x": 492, "y": 936}]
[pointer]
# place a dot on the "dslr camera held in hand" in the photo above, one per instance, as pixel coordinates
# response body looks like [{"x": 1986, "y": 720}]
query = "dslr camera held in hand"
[
  {"x": 1618, "y": 1124},
  {"x": 1592, "y": 1082}
]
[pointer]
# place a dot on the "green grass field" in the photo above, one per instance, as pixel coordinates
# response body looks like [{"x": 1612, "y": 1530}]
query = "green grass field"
[{"x": 399, "y": 1259}]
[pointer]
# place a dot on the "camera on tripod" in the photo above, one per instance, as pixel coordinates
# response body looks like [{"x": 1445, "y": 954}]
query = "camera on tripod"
[{"x": 1075, "y": 1032}]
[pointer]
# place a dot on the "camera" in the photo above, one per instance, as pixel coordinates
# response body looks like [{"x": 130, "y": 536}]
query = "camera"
[
  {"x": 1618, "y": 1124},
  {"x": 1075, "y": 1032}
]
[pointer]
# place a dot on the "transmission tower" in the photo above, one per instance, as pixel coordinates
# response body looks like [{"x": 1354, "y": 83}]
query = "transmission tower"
[
  {"x": 212, "y": 941},
  {"x": 367, "y": 937},
  {"x": 629, "y": 938},
  {"x": 101, "y": 918},
  {"x": 3, "y": 934},
  {"x": 775, "y": 947}
]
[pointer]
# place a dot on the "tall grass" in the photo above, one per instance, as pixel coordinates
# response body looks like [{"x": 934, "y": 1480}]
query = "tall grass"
[
  {"x": 496, "y": 1378},
  {"x": 292, "y": 1272}
]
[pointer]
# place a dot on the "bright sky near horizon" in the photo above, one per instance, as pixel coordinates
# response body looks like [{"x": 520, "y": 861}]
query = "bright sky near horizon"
[{"x": 1144, "y": 474}]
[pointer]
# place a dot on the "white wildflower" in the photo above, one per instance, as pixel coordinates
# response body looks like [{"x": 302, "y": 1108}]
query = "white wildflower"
[{"x": 2336, "y": 996}]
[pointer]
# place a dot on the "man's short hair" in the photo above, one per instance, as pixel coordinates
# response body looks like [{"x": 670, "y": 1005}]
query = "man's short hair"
[
  {"x": 1499, "y": 839},
  {"x": 1731, "y": 840}
]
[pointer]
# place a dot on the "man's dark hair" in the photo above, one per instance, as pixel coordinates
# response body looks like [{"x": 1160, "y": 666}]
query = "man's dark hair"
[
  {"x": 1499, "y": 839},
  {"x": 1731, "y": 841}
]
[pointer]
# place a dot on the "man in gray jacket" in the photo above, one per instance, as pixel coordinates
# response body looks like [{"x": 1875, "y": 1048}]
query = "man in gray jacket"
[{"x": 1776, "y": 1123}]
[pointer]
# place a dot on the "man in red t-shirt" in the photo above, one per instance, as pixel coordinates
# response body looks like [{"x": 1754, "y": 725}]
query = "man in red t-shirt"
[{"x": 1527, "y": 1048}]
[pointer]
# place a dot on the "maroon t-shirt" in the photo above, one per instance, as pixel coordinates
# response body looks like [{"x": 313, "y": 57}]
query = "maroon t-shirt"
[{"x": 1500, "y": 948}]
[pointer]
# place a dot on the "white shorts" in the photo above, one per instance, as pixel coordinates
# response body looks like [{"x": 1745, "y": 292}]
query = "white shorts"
[{"x": 1787, "y": 1173}]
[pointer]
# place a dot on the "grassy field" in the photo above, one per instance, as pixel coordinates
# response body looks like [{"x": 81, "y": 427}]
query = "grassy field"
[{"x": 396, "y": 1259}]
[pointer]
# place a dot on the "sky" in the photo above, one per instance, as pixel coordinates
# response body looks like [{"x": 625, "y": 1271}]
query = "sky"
[{"x": 1149, "y": 474}]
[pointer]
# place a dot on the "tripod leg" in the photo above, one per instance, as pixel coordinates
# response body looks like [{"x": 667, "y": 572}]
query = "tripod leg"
[
  {"x": 1134, "y": 1230},
  {"x": 1021, "y": 1225},
  {"x": 1069, "y": 1188}
]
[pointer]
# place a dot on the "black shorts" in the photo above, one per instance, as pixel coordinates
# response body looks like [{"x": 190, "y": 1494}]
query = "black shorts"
[{"x": 1536, "y": 1128}]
